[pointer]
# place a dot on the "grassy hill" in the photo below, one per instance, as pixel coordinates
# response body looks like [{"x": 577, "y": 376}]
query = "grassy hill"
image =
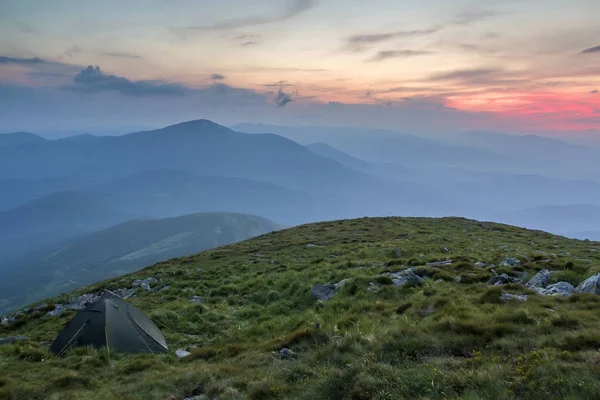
[
  {"x": 121, "y": 249},
  {"x": 453, "y": 337}
]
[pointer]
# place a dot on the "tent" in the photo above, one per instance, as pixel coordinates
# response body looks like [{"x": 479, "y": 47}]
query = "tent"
[{"x": 112, "y": 323}]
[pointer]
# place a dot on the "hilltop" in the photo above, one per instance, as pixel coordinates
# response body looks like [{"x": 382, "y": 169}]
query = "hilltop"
[{"x": 410, "y": 314}]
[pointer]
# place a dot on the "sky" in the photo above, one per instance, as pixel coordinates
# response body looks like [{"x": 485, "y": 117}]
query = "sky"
[{"x": 526, "y": 66}]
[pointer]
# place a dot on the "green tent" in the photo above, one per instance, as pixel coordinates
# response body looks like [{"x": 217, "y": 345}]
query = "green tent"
[{"x": 112, "y": 323}]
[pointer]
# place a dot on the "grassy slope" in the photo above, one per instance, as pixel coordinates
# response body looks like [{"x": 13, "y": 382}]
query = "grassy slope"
[
  {"x": 126, "y": 248},
  {"x": 384, "y": 345}
]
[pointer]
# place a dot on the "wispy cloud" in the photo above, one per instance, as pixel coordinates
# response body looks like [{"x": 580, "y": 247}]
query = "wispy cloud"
[
  {"x": 279, "y": 84},
  {"x": 250, "y": 43},
  {"x": 292, "y": 9},
  {"x": 71, "y": 51},
  {"x": 93, "y": 79},
  {"x": 282, "y": 98},
  {"x": 22, "y": 61},
  {"x": 217, "y": 77},
  {"x": 119, "y": 54},
  {"x": 366, "y": 39},
  {"x": 387, "y": 54},
  {"x": 591, "y": 50},
  {"x": 464, "y": 74},
  {"x": 470, "y": 17}
]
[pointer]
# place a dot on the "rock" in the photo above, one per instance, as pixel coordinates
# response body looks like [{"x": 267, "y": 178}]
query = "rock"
[
  {"x": 540, "y": 279},
  {"x": 124, "y": 293},
  {"x": 150, "y": 281},
  {"x": 439, "y": 281},
  {"x": 562, "y": 289},
  {"x": 457, "y": 278},
  {"x": 12, "y": 339},
  {"x": 323, "y": 292},
  {"x": 199, "y": 397},
  {"x": 590, "y": 285},
  {"x": 196, "y": 299},
  {"x": 182, "y": 353},
  {"x": 58, "y": 310},
  {"x": 439, "y": 263},
  {"x": 502, "y": 280},
  {"x": 4, "y": 321},
  {"x": 164, "y": 288},
  {"x": 78, "y": 303},
  {"x": 427, "y": 311},
  {"x": 510, "y": 262},
  {"x": 397, "y": 252},
  {"x": 136, "y": 283},
  {"x": 408, "y": 279},
  {"x": 341, "y": 283},
  {"x": 312, "y": 245},
  {"x": 445, "y": 250},
  {"x": 508, "y": 296},
  {"x": 287, "y": 354},
  {"x": 480, "y": 264},
  {"x": 146, "y": 286}
]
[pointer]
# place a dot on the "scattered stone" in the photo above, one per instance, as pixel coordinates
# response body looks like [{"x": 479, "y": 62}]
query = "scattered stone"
[
  {"x": 439, "y": 281},
  {"x": 4, "y": 321},
  {"x": 146, "y": 286},
  {"x": 445, "y": 250},
  {"x": 12, "y": 339},
  {"x": 196, "y": 299},
  {"x": 136, "y": 283},
  {"x": 199, "y": 397},
  {"x": 590, "y": 285},
  {"x": 58, "y": 310},
  {"x": 480, "y": 264},
  {"x": 341, "y": 283},
  {"x": 540, "y": 279},
  {"x": 408, "y": 279},
  {"x": 439, "y": 263},
  {"x": 561, "y": 289},
  {"x": 81, "y": 302},
  {"x": 373, "y": 287},
  {"x": 150, "y": 281},
  {"x": 427, "y": 311},
  {"x": 312, "y": 245},
  {"x": 318, "y": 325},
  {"x": 508, "y": 296},
  {"x": 502, "y": 280},
  {"x": 397, "y": 252},
  {"x": 457, "y": 278},
  {"x": 287, "y": 354},
  {"x": 510, "y": 262},
  {"x": 182, "y": 353},
  {"x": 164, "y": 288},
  {"x": 323, "y": 292},
  {"x": 273, "y": 262}
]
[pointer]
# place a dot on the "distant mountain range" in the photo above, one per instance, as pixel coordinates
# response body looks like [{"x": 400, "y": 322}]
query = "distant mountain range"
[
  {"x": 17, "y": 138},
  {"x": 121, "y": 249}
]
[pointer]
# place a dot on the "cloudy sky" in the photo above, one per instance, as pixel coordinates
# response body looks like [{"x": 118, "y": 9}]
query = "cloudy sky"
[{"x": 430, "y": 65}]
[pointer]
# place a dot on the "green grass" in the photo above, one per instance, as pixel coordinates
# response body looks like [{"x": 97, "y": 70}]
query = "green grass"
[{"x": 447, "y": 339}]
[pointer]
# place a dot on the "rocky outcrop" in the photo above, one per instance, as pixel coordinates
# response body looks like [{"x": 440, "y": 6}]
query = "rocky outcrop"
[
  {"x": 590, "y": 285},
  {"x": 407, "y": 278},
  {"x": 561, "y": 289},
  {"x": 287, "y": 354},
  {"x": 510, "y": 262},
  {"x": 323, "y": 292},
  {"x": 145, "y": 284},
  {"x": 502, "y": 279},
  {"x": 540, "y": 280}
]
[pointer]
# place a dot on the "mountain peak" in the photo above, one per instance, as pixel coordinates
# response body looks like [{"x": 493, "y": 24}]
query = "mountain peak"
[{"x": 198, "y": 124}]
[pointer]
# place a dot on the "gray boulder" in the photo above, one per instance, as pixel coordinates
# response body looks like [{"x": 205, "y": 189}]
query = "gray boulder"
[
  {"x": 590, "y": 285},
  {"x": 182, "y": 353},
  {"x": 149, "y": 281},
  {"x": 78, "y": 303},
  {"x": 439, "y": 263},
  {"x": 146, "y": 286},
  {"x": 4, "y": 321},
  {"x": 408, "y": 279},
  {"x": 502, "y": 280},
  {"x": 196, "y": 299},
  {"x": 510, "y": 262},
  {"x": 323, "y": 292},
  {"x": 518, "y": 297},
  {"x": 540, "y": 279},
  {"x": 480, "y": 264},
  {"x": 58, "y": 310},
  {"x": 312, "y": 245},
  {"x": 287, "y": 354},
  {"x": 12, "y": 339},
  {"x": 561, "y": 289}
]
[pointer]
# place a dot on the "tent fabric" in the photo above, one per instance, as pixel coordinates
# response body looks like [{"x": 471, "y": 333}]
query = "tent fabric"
[{"x": 112, "y": 323}]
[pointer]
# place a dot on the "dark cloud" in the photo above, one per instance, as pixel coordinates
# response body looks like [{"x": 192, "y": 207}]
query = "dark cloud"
[
  {"x": 470, "y": 17},
  {"x": 119, "y": 54},
  {"x": 282, "y": 98},
  {"x": 22, "y": 61},
  {"x": 292, "y": 9},
  {"x": 26, "y": 28},
  {"x": 248, "y": 43},
  {"x": 381, "y": 37},
  {"x": 217, "y": 77},
  {"x": 92, "y": 79},
  {"x": 386, "y": 55},
  {"x": 594, "y": 92},
  {"x": 591, "y": 50},
  {"x": 464, "y": 74}
]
